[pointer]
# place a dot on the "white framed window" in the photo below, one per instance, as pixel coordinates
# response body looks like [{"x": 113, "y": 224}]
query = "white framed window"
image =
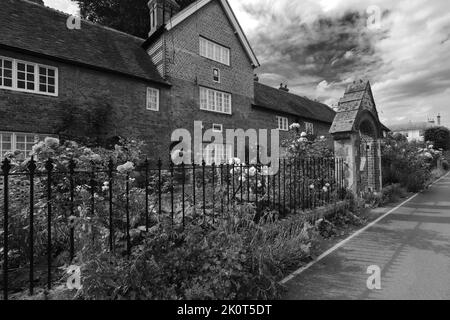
[
  {"x": 215, "y": 101},
  {"x": 283, "y": 123},
  {"x": 217, "y": 127},
  {"x": 152, "y": 99},
  {"x": 216, "y": 75},
  {"x": 6, "y": 72},
  {"x": 23, "y": 76},
  {"x": 47, "y": 80},
  {"x": 214, "y": 51},
  {"x": 21, "y": 142},
  {"x": 309, "y": 127}
]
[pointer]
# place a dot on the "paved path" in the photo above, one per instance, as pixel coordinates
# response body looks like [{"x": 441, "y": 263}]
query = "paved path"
[{"x": 411, "y": 246}]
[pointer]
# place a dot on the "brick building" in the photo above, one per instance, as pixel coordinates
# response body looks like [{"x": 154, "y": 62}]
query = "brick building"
[{"x": 196, "y": 65}]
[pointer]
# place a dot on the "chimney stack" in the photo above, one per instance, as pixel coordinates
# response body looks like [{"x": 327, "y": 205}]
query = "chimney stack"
[
  {"x": 161, "y": 11},
  {"x": 284, "y": 88},
  {"x": 439, "y": 119}
]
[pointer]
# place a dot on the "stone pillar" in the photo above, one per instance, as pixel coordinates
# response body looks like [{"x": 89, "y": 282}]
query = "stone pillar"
[
  {"x": 379, "y": 167},
  {"x": 347, "y": 148}
]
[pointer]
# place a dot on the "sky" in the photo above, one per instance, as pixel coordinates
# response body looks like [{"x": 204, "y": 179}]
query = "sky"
[{"x": 318, "y": 47}]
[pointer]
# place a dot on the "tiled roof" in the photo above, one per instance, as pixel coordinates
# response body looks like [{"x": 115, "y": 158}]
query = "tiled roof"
[
  {"x": 38, "y": 29},
  {"x": 350, "y": 106},
  {"x": 285, "y": 102}
]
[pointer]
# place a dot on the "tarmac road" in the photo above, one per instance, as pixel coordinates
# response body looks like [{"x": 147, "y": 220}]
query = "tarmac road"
[{"x": 411, "y": 246}]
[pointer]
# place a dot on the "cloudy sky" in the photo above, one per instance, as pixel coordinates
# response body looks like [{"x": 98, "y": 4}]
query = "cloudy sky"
[{"x": 318, "y": 46}]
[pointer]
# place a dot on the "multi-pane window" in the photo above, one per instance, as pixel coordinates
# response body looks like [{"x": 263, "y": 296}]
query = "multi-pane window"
[
  {"x": 214, "y": 51},
  {"x": 22, "y": 142},
  {"x": 25, "y": 76},
  {"x": 28, "y": 77},
  {"x": 283, "y": 123},
  {"x": 152, "y": 99},
  {"x": 6, "y": 73},
  {"x": 216, "y": 101},
  {"x": 47, "y": 80},
  {"x": 309, "y": 127}
]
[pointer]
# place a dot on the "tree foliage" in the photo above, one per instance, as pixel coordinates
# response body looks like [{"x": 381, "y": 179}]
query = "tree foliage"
[
  {"x": 440, "y": 136},
  {"x": 129, "y": 16}
]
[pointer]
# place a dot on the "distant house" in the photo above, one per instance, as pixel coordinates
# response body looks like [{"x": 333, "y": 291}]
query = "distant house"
[
  {"x": 196, "y": 65},
  {"x": 415, "y": 131}
]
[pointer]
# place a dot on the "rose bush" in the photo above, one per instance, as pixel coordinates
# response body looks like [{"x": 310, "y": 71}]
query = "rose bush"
[{"x": 408, "y": 163}]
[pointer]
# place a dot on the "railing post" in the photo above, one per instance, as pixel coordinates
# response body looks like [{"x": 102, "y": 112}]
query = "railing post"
[
  {"x": 172, "y": 209},
  {"x": 110, "y": 190},
  {"x": 146, "y": 164},
  {"x": 159, "y": 187},
  {"x": 242, "y": 183},
  {"x": 92, "y": 189},
  {"x": 193, "y": 186},
  {"x": 204, "y": 189},
  {"x": 222, "y": 191},
  {"x": 213, "y": 169},
  {"x": 248, "y": 182},
  {"x": 72, "y": 167},
  {"x": 279, "y": 187},
  {"x": 256, "y": 186},
  {"x": 183, "y": 169},
  {"x": 6, "y": 167},
  {"x": 284, "y": 185},
  {"x": 49, "y": 169},
  {"x": 31, "y": 169},
  {"x": 127, "y": 212}
]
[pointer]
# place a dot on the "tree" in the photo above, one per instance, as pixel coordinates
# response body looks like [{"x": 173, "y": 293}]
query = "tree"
[
  {"x": 440, "y": 136},
  {"x": 129, "y": 16}
]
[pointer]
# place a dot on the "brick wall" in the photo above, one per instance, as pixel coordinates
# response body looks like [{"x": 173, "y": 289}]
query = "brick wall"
[
  {"x": 184, "y": 62},
  {"x": 186, "y": 70}
]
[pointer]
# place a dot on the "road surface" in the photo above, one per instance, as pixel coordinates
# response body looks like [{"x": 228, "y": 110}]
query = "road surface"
[{"x": 411, "y": 246}]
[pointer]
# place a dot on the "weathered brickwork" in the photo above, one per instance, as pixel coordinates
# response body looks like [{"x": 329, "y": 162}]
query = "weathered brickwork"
[{"x": 184, "y": 62}]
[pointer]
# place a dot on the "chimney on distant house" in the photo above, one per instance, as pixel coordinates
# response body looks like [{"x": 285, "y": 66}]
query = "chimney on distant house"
[
  {"x": 284, "y": 88},
  {"x": 439, "y": 119},
  {"x": 161, "y": 11}
]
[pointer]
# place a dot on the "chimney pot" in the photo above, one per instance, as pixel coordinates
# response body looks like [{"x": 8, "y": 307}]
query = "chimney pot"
[
  {"x": 161, "y": 11},
  {"x": 284, "y": 87}
]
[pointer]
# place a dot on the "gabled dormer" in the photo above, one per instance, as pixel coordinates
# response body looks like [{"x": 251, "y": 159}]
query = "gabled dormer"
[{"x": 169, "y": 16}]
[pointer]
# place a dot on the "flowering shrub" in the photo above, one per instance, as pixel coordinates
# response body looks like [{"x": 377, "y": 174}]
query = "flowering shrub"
[
  {"x": 300, "y": 145},
  {"x": 408, "y": 163},
  {"x": 90, "y": 222}
]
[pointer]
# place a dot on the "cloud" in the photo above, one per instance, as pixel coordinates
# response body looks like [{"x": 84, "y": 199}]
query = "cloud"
[
  {"x": 63, "y": 5},
  {"x": 320, "y": 46}
]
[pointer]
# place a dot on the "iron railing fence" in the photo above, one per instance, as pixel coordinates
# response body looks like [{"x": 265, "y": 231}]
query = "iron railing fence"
[{"x": 47, "y": 207}]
